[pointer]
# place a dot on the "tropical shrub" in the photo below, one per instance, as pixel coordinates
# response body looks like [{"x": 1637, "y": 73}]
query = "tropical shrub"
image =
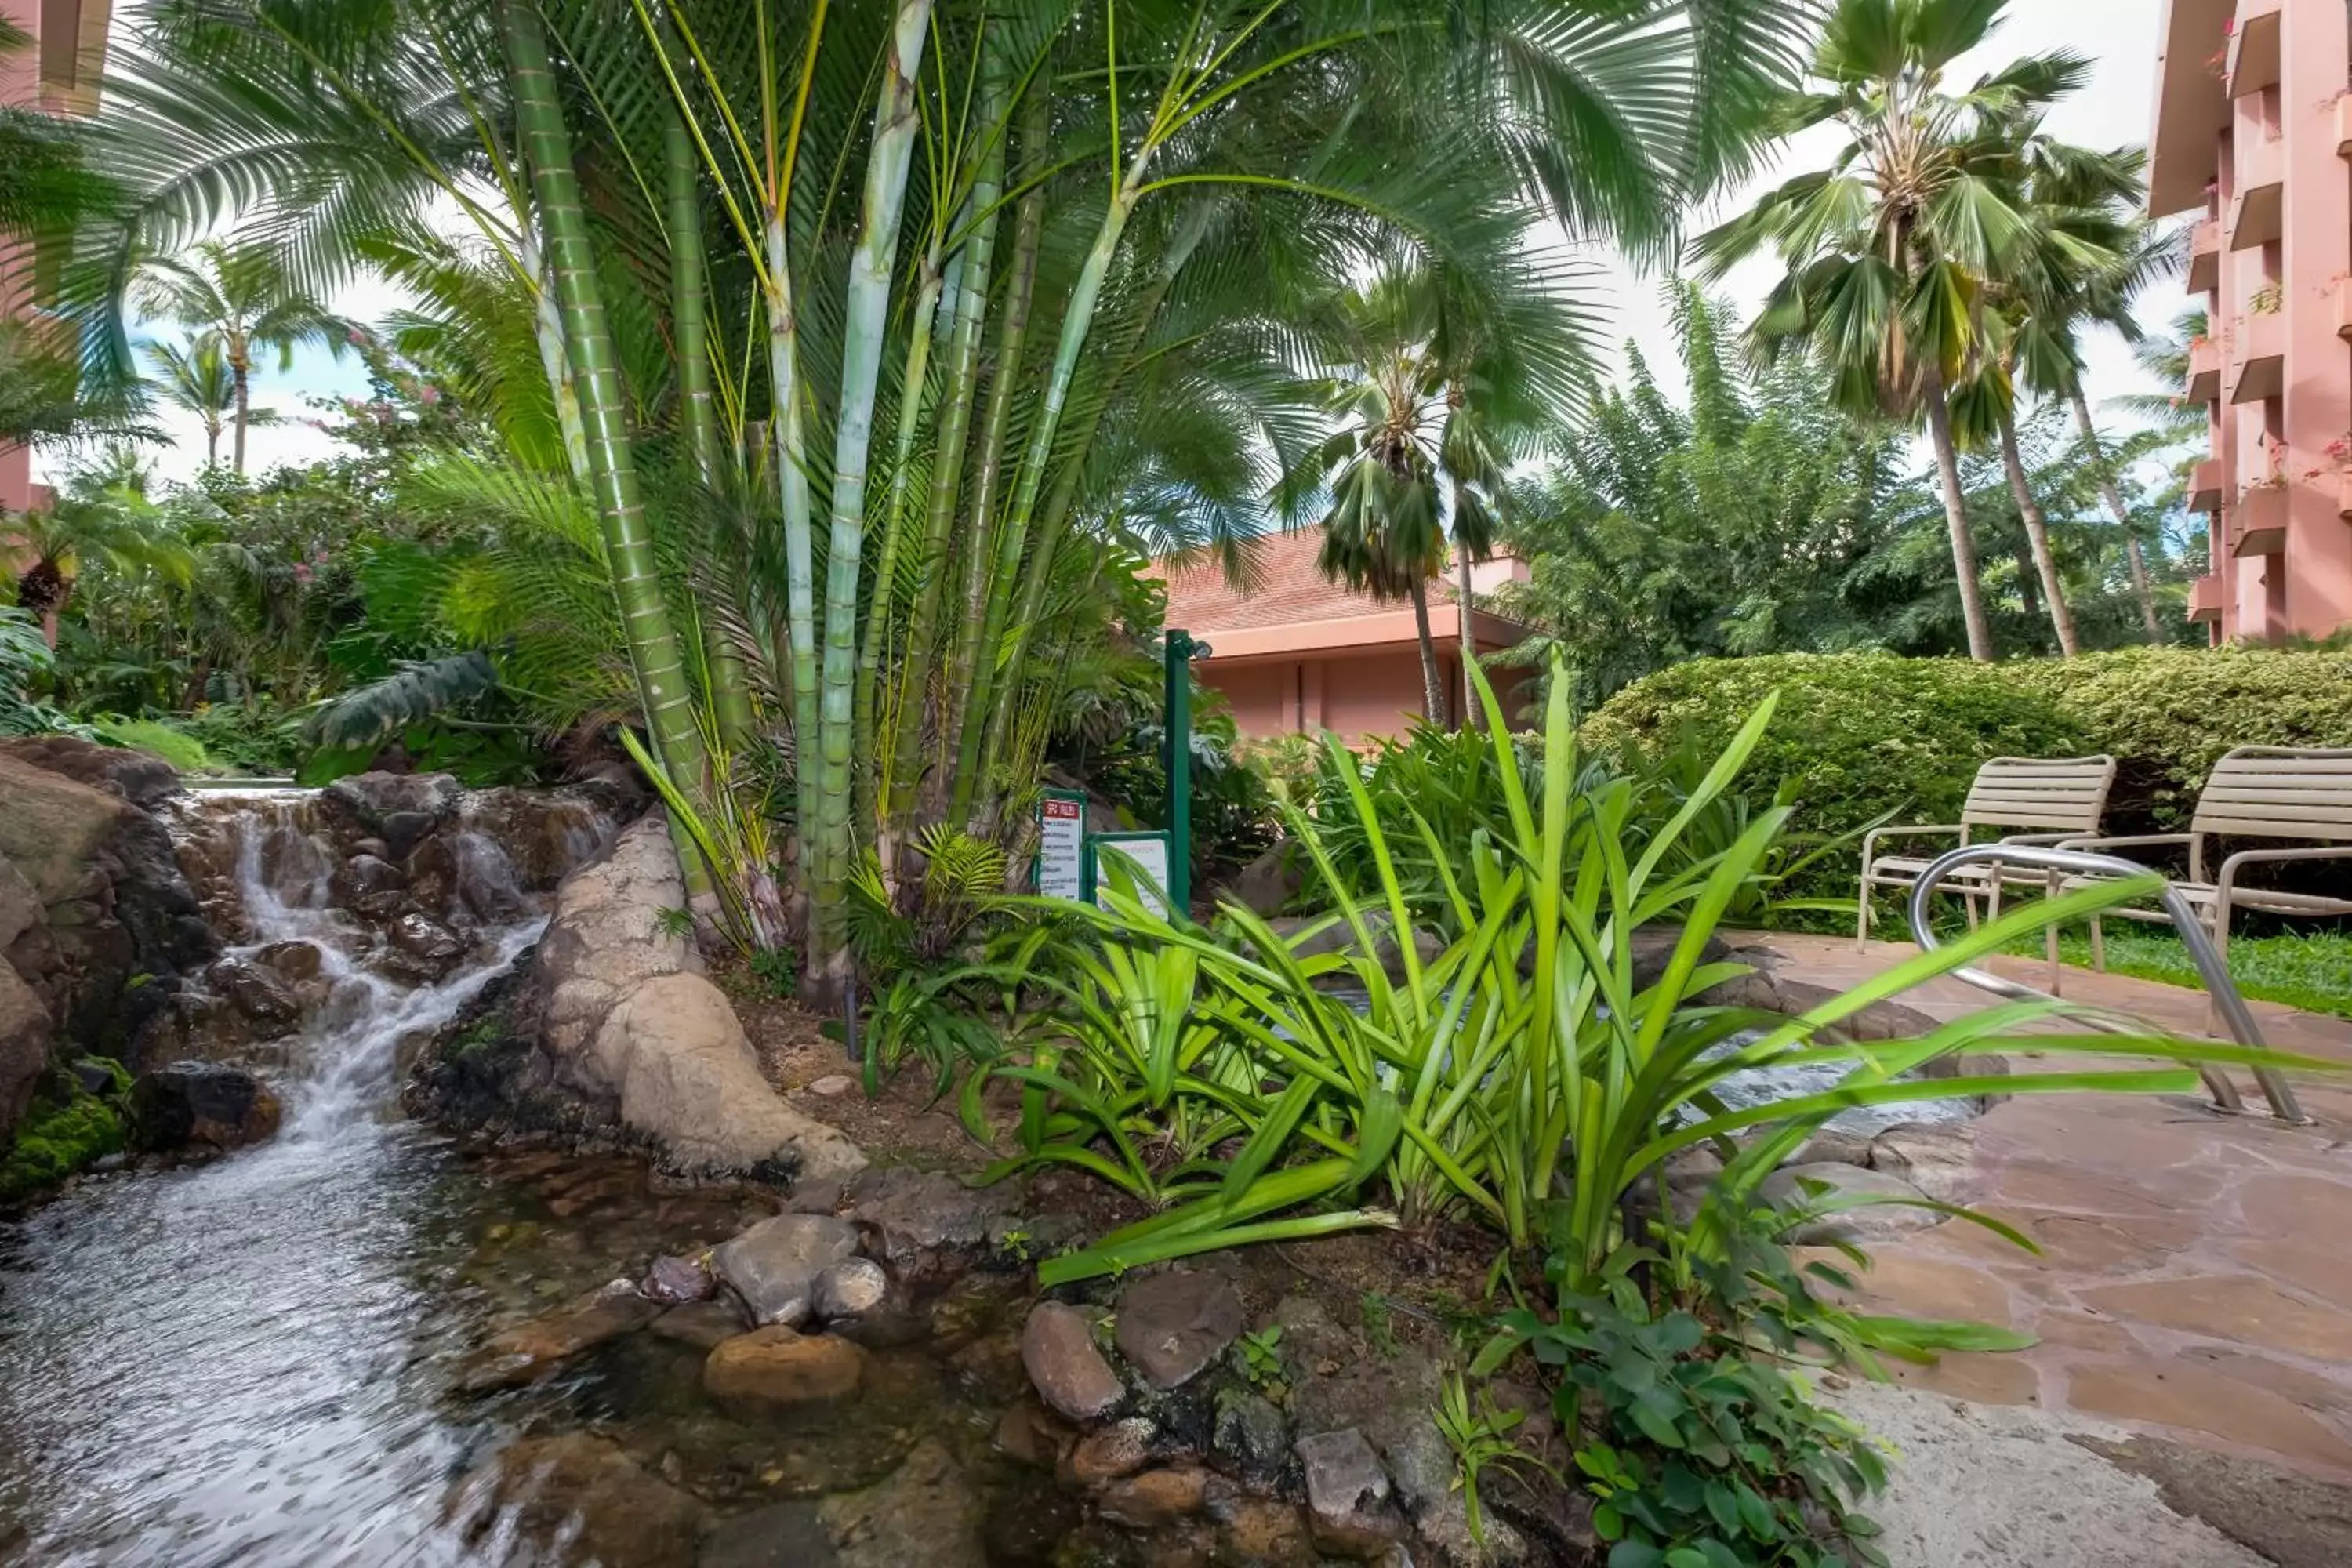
[
  {"x": 2167, "y": 714},
  {"x": 183, "y": 752},
  {"x": 1865, "y": 734},
  {"x": 1516, "y": 1074}
]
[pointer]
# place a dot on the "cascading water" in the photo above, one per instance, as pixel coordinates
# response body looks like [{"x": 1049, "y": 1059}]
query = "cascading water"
[{"x": 248, "y": 1362}]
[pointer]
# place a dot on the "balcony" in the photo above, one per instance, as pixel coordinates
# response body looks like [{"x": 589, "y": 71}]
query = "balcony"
[
  {"x": 2260, "y": 523},
  {"x": 2262, "y": 358},
  {"x": 2205, "y": 255},
  {"x": 2343, "y": 495},
  {"x": 2205, "y": 485},
  {"x": 2344, "y": 126},
  {"x": 2344, "y": 310},
  {"x": 2254, "y": 48},
  {"x": 2204, "y": 370},
  {"x": 2205, "y": 598},
  {"x": 2254, "y": 211}
]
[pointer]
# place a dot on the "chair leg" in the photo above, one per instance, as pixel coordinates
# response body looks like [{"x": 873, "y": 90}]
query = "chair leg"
[
  {"x": 2213, "y": 1024},
  {"x": 1862, "y": 916},
  {"x": 2098, "y": 945},
  {"x": 2050, "y": 937}
]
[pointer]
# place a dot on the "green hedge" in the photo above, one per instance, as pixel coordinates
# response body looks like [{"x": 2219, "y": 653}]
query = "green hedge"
[{"x": 1874, "y": 732}]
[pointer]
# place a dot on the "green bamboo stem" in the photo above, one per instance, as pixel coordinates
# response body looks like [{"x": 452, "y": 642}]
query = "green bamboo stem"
[
  {"x": 866, "y": 325},
  {"x": 731, "y": 699},
  {"x": 789, "y": 428},
  {"x": 652, "y": 643},
  {"x": 1054, "y": 523},
  {"x": 949, "y": 445},
  {"x": 980, "y": 536}
]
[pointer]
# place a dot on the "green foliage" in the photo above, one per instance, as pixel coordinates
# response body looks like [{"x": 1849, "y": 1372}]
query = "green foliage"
[
  {"x": 1480, "y": 1437},
  {"x": 67, "y": 1128},
  {"x": 1259, "y": 1353},
  {"x": 777, "y": 971},
  {"x": 2167, "y": 714},
  {"x": 182, "y": 751},
  {"x": 1707, "y": 1456},
  {"x": 1865, "y": 734},
  {"x": 2307, "y": 968}
]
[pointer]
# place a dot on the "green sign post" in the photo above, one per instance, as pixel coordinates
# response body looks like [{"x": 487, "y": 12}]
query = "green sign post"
[{"x": 1181, "y": 651}]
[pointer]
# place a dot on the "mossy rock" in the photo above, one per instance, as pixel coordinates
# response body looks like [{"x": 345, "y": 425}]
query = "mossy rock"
[{"x": 68, "y": 1129}]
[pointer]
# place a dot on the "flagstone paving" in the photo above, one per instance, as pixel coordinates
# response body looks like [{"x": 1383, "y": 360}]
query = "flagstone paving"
[{"x": 2194, "y": 1280}]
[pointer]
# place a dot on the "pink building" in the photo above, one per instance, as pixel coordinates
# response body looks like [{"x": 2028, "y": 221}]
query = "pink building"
[
  {"x": 58, "y": 73},
  {"x": 1299, "y": 654},
  {"x": 2253, "y": 129}
]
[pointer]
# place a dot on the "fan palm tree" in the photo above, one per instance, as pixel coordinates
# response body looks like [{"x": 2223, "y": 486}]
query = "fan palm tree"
[
  {"x": 1888, "y": 252},
  {"x": 199, "y": 380},
  {"x": 239, "y": 302},
  {"x": 89, "y": 522}
]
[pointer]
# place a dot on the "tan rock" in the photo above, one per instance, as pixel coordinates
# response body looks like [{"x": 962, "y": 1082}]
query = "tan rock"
[
  {"x": 2173, "y": 1392},
  {"x": 577, "y": 1496},
  {"x": 605, "y": 938},
  {"x": 530, "y": 1350},
  {"x": 1155, "y": 1498},
  {"x": 776, "y": 1367},
  {"x": 2243, "y": 1307}
]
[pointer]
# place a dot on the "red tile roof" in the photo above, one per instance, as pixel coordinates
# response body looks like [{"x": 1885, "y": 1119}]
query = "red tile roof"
[{"x": 1284, "y": 588}]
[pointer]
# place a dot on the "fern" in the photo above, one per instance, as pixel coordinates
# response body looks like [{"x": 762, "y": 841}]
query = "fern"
[{"x": 411, "y": 695}]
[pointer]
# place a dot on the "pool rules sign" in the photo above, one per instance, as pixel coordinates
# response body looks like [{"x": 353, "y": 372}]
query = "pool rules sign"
[{"x": 1061, "y": 845}]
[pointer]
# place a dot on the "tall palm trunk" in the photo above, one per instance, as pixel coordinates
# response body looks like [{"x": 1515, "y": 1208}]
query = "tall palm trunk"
[
  {"x": 865, "y": 324},
  {"x": 731, "y": 699},
  {"x": 211, "y": 441},
  {"x": 790, "y": 434},
  {"x": 2141, "y": 590},
  {"x": 652, "y": 642},
  {"x": 240, "y": 374},
  {"x": 2037, "y": 539},
  {"x": 1956, "y": 516},
  {"x": 1469, "y": 634},
  {"x": 1433, "y": 684}
]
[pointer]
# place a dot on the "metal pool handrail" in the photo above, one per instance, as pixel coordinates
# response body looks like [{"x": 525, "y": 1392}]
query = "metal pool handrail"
[{"x": 2209, "y": 968}]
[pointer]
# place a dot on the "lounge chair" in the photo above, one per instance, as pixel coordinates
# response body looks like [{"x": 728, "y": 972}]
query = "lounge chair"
[
  {"x": 2062, "y": 797},
  {"x": 2254, "y": 791}
]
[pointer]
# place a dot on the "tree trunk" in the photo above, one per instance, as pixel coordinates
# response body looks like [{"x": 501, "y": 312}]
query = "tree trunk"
[
  {"x": 2037, "y": 539},
  {"x": 554, "y": 359},
  {"x": 241, "y": 378},
  {"x": 211, "y": 442},
  {"x": 980, "y": 537},
  {"x": 1956, "y": 520},
  {"x": 1433, "y": 684},
  {"x": 730, "y": 698},
  {"x": 652, "y": 642},
  {"x": 790, "y": 434},
  {"x": 2141, "y": 590},
  {"x": 1469, "y": 634},
  {"x": 866, "y": 326}
]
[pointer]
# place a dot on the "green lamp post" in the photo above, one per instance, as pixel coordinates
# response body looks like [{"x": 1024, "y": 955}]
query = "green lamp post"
[{"x": 1182, "y": 650}]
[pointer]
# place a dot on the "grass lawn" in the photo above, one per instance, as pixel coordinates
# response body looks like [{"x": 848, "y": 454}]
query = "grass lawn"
[{"x": 2313, "y": 972}]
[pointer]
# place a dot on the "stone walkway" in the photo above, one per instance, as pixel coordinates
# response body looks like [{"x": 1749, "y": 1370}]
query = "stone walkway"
[{"x": 2195, "y": 1279}]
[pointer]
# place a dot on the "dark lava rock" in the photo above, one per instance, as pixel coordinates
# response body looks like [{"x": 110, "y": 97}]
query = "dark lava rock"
[
  {"x": 405, "y": 830},
  {"x": 361, "y": 875},
  {"x": 1058, "y": 1348},
  {"x": 775, "y": 1266},
  {"x": 369, "y": 800},
  {"x": 925, "y": 1512},
  {"x": 295, "y": 960},
  {"x": 671, "y": 1281},
  {"x": 258, "y": 993},
  {"x": 579, "y": 1496},
  {"x": 702, "y": 1324},
  {"x": 202, "y": 1105},
  {"x": 142, "y": 778},
  {"x": 1348, "y": 1502},
  {"x": 530, "y": 1350},
  {"x": 1173, "y": 1325},
  {"x": 2296, "y": 1521},
  {"x": 781, "y": 1535},
  {"x": 1251, "y": 1435},
  {"x": 427, "y": 941},
  {"x": 925, "y": 1224}
]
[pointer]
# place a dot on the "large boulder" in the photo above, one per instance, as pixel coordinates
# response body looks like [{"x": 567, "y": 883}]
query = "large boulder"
[
  {"x": 690, "y": 1082},
  {"x": 926, "y": 1511},
  {"x": 609, "y": 934},
  {"x": 574, "y": 1497},
  {"x": 121, "y": 920},
  {"x": 203, "y": 1106},
  {"x": 24, "y": 1047},
  {"x": 775, "y": 1267},
  {"x": 142, "y": 778},
  {"x": 398, "y": 808}
]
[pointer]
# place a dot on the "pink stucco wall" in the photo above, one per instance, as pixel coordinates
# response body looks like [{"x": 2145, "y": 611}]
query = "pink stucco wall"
[
  {"x": 1357, "y": 694},
  {"x": 2274, "y": 122}
]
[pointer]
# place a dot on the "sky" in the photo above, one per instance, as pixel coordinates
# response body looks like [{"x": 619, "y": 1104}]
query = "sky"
[{"x": 2120, "y": 36}]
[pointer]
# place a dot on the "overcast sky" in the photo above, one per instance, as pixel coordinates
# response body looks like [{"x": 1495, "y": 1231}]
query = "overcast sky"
[{"x": 2119, "y": 35}]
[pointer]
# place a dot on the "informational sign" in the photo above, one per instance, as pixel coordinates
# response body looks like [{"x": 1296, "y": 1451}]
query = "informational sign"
[
  {"x": 1146, "y": 861},
  {"x": 1062, "y": 844}
]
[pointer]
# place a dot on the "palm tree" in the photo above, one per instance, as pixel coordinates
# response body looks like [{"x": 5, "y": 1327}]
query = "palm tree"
[
  {"x": 239, "y": 300},
  {"x": 107, "y": 520},
  {"x": 199, "y": 380},
  {"x": 1888, "y": 252},
  {"x": 1436, "y": 381},
  {"x": 980, "y": 285}
]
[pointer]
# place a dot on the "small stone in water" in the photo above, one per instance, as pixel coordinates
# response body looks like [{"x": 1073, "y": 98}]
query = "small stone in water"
[{"x": 831, "y": 1084}]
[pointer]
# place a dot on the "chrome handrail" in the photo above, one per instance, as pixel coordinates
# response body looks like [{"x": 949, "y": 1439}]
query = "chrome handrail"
[{"x": 2232, "y": 1006}]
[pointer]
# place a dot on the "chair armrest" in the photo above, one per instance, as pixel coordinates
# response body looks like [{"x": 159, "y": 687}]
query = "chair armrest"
[
  {"x": 2229, "y": 877},
  {"x": 1906, "y": 830},
  {"x": 2143, "y": 838},
  {"x": 2035, "y": 837}
]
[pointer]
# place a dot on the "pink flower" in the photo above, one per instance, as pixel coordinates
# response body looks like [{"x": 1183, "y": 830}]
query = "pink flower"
[
  {"x": 429, "y": 395},
  {"x": 301, "y": 572}
]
